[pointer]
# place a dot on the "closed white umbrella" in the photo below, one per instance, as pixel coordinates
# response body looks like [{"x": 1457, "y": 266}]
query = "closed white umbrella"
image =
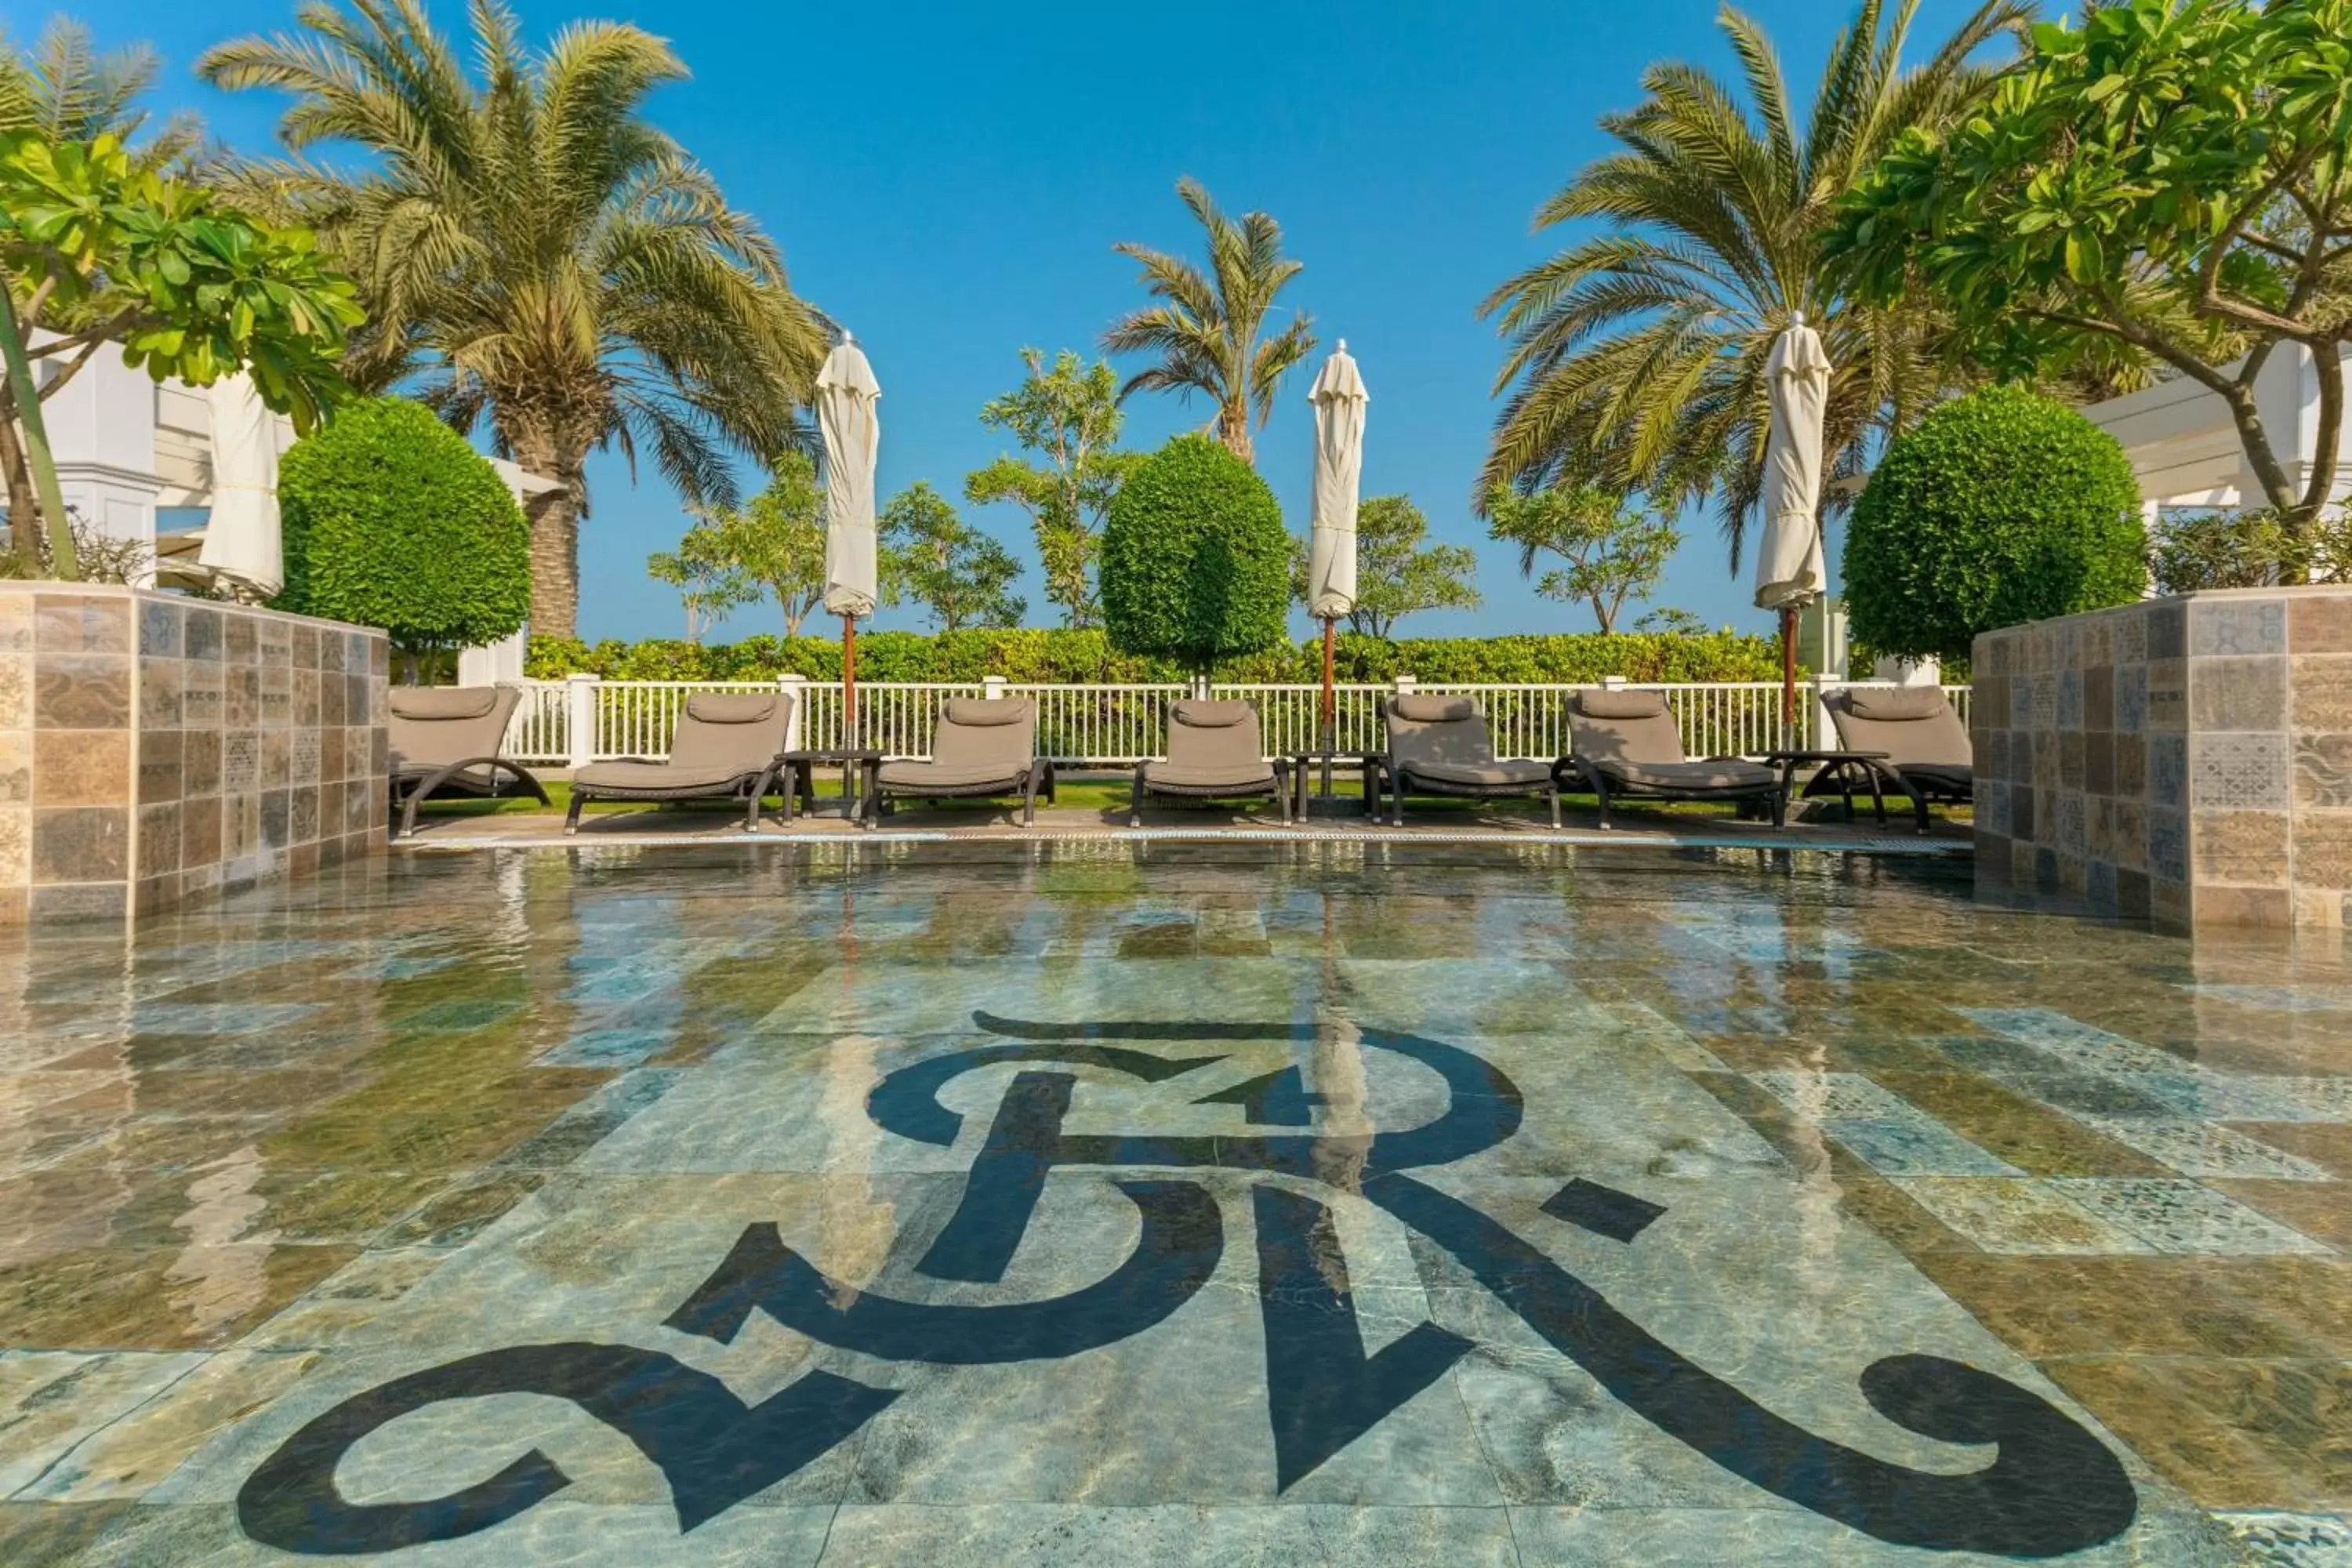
[
  {"x": 1339, "y": 398},
  {"x": 1790, "y": 573},
  {"x": 846, "y": 393},
  {"x": 244, "y": 546}
]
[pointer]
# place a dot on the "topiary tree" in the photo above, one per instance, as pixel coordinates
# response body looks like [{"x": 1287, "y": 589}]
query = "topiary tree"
[
  {"x": 392, "y": 520},
  {"x": 1195, "y": 564},
  {"x": 1997, "y": 508}
]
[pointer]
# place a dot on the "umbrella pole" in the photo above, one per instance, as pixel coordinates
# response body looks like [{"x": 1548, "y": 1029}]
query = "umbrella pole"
[
  {"x": 1330, "y": 696},
  {"x": 849, "y": 681},
  {"x": 1789, "y": 675}
]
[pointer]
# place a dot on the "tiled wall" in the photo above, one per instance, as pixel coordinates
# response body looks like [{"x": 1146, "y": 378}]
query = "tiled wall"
[
  {"x": 155, "y": 749},
  {"x": 2188, "y": 759}
]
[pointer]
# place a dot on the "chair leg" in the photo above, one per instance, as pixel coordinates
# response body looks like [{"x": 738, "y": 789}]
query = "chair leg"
[
  {"x": 571, "y": 812},
  {"x": 1551, "y": 796},
  {"x": 1918, "y": 805},
  {"x": 1282, "y": 794},
  {"x": 1029, "y": 800},
  {"x": 1134, "y": 799},
  {"x": 1600, "y": 795}
]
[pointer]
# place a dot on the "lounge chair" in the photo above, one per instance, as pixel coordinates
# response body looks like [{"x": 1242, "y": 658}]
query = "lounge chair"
[
  {"x": 979, "y": 748},
  {"x": 1626, "y": 743},
  {"x": 1440, "y": 746},
  {"x": 445, "y": 740},
  {"x": 729, "y": 746},
  {"x": 1928, "y": 756},
  {"x": 1214, "y": 754}
]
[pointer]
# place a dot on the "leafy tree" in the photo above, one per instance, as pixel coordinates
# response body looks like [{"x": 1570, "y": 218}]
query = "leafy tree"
[
  {"x": 1613, "y": 552},
  {"x": 1205, "y": 334},
  {"x": 2168, "y": 178},
  {"x": 959, "y": 573},
  {"x": 107, "y": 252},
  {"x": 709, "y": 582},
  {"x": 1998, "y": 508},
  {"x": 1637, "y": 355},
  {"x": 775, "y": 542},
  {"x": 1070, "y": 415},
  {"x": 537, "y": 251},
  {"x": 1396, "y": 572},
  {"x": 391, "y": 519},
  {"x": 1668, "y": 621},
  {"x": 1195, "y": 564}
]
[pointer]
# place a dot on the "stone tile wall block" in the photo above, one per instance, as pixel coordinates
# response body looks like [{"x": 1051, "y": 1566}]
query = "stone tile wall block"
[
  {"x": 2186, "y": 760},
  {"x": 156, "y": 750}
]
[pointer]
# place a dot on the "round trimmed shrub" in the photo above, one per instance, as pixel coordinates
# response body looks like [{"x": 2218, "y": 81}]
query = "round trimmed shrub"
[
  {"x": 1998, "y": 508},
  {"x": 1195, "y": 565},
  {"x": 392, "y": 520}
]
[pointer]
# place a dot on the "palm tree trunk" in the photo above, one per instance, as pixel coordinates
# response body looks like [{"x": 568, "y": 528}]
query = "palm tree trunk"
[
  {"x": 1233, "y": 430},
  {"x": 554, "y": 519}
]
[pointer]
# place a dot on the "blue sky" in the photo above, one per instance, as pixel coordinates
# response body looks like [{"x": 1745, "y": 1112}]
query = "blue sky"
[{"x": 948, "y": 179}]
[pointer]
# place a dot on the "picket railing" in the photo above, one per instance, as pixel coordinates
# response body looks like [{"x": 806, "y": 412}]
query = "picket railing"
[{"x": 1117, "y": 724}]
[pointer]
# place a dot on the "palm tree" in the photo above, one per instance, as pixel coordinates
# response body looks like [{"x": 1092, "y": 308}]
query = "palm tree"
[
  {"x": 1639, "y": 354},
  {"x": 535, "y": 252},
  {"x": 1206, "y": 332},
  {"x": 64, "y": 89}
]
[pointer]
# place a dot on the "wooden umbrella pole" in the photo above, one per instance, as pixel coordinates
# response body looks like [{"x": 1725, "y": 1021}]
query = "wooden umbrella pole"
[
  {"x": 1789, "y": 675},
  {"x": 1330, "y": 697}
]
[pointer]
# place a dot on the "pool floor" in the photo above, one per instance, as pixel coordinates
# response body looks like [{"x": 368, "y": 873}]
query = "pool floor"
[{"x": 1105, "y": 1204}]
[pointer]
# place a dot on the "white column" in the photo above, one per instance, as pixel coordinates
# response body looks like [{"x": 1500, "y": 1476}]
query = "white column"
[
  {"x": 795, "y": 690},
  {"x": 580, "y": 718}
]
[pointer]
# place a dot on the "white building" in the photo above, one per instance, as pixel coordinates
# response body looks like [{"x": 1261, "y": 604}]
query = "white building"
[{"x": 2185, "y": 449}]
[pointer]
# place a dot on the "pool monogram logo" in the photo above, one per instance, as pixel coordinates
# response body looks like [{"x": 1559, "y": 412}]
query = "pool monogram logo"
[{"x": 2051, "y": 1487}]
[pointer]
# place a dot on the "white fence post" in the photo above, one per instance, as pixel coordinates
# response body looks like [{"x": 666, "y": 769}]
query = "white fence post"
[
  {"x": 1824, "y": 726},
  {"x": 580, "y": 719},
  {"x": 992, "y": 687},
  {"x": 1613, "y": 682},
  {"x": 1407, "y": 685},
  {"x": 795, "y": 690}
]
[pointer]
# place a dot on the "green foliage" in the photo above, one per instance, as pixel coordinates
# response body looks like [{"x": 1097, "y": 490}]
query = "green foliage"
[
  {"x": 535, "y": 250},
  {"x": 1397, "y": 572},
  {"x": 1639, "y": 352},
  {"x": 2247, "y": 550},
  {"x": 709, "y": 582},
  {"x": 775, "y": 542},
  {"x": 1669, "y": 620},
  {"x": 190, "y": 288},
  {"x": 1069, "y": 415},
  {"x": 1195, "y": 564},
  {"x": 65, "y": 91},
  {"x": 1613, "y": 552},
  {"x": 959, "y": 575},
  {"x": 391, "y": 519},
  {"x": 1203, "y": 334},
  {"x": 1063, "y": 654},
  {"x": 2001, "y": 506},
  {"x": 2167, "y": 179}
]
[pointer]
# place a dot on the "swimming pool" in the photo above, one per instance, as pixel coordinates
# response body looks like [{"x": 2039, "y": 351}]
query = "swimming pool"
[{"x": 1110, "y": 1204}]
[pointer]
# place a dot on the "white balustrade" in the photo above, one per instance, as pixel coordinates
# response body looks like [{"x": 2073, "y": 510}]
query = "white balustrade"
[{"x": 1117, "y": 724}]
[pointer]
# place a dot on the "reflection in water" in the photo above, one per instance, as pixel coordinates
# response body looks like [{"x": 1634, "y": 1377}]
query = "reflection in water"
[{"x": 224, "y": 1271}]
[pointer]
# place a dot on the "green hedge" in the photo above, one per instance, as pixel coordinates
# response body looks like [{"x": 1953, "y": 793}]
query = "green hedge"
[{"x": 1035, "y": 655}]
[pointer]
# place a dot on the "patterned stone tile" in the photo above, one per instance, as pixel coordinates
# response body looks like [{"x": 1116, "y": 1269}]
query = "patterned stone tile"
[
  {"x": 2183, "y": 1216},
  {"x": 2291, "y": 1540},
  {"x": 2202, "y": 1149},
  {"x": 2020, "y": 1217},
  {"x": 2237, "y": 626},
  {"x": 1914, "y": 1146},
  {"x": 2238, "y": 772}
]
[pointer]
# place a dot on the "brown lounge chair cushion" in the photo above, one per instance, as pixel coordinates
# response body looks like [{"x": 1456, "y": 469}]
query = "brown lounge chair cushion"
[
  {"x": 1607, "y": 704},
  {"x": 1731, "y": 773},
  {"x": 723, "y": 737},
  {"x": 1497, "y": 774},
  {"x": 1435, "y": 708},
  {"x": 1894, "y": 703},
  {"x": 977, "y": 742},
  {"x": 1212, "y": 746},
  {"x": 437, "y": 703}
]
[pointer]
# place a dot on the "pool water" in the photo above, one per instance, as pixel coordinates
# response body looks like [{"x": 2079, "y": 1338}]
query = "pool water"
[{"x": 1100, "y": 1204}]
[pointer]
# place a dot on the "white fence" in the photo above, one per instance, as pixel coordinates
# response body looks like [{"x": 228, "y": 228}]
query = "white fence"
[{"x": 580, "y": 718}]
